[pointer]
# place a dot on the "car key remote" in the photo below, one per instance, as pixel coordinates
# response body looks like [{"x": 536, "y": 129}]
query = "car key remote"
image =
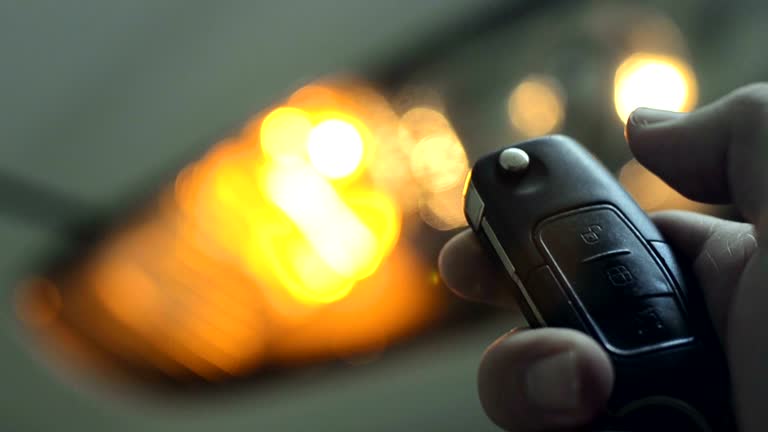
[{"x": 581, "y": 254}]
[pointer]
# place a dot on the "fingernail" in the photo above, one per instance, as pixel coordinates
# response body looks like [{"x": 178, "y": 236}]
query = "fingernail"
[
  {"x": 553, "y": 383},
  {"x": 642, "y": 117}
]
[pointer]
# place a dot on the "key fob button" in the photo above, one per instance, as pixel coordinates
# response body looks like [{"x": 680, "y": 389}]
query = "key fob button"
[
  {"x": 634, "y": 275},
  {"x": 642, "y": 324},
  {"x": 601, "y": 259},
  {"x": 602, "y": 283},
  {"x": 587, "y": 235}
]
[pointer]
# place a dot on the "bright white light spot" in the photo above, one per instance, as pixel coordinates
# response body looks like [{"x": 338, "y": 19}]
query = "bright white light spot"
[{"x": 335, "y": 148}]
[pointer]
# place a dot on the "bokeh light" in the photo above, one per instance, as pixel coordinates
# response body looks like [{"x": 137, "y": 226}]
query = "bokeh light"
[
  {"x": 284, "y": 134},
  {"x": 536, "y": 106},
  {"x": 423, "y": 121},
  {"x": 651, "y": 192},
  {"x": 438, "y": 162},
  {"x": 330, "y": 226},
  {"x": 335, "y": 148},
  {"x": 647, "y": 189},
  {"x": 39, "y": 303},
  {"x": 438, "y": 165},
  {"x": 654, "y": 81},
  {"x": 390, "y": 171},
  {"x": 279, "y": 246},
  {"x": 444, "y": 210}
]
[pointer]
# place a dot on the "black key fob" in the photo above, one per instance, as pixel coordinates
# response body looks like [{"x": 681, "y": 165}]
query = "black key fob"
[{"x": 581, "y": 254}]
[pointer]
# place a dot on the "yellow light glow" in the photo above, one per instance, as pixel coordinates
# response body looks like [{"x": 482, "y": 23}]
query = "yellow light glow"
[
  {"x": 653, "y": 81},
  {"x": 284, "y": 134},
  {"x": 438, "y": 162},
  {"x": 536, "y": 106},
  {"x": 257, "y": 256},
  {"x": 335, "y": 148},
  {"x": 302, "y": 272},
  {"x": 379, "y": 212},
  {"x": 322, "y": 284},
  {"x": 331, "y": 227},
  {"x": 219, "y": 197}
]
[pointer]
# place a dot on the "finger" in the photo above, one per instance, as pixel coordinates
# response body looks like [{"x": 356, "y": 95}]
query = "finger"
[
  {"x": 747, "y": 347},
  {"x": 544, "y": 379},
  {"x": 716, "y": 154},
  {"x": 719, "y": 251},
  {"x": 469, "y": 272},
  {"x": 731, "y": 270}
]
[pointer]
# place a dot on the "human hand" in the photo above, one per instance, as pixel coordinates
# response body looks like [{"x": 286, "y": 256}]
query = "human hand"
[{"x": 560, "y": 379}]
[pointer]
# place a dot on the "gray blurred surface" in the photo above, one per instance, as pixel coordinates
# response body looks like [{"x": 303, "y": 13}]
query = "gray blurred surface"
[{"x": 97, "y": 95}]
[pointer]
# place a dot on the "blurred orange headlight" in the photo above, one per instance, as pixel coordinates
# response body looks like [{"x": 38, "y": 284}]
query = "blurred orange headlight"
[{"x": 278, "y": 246}]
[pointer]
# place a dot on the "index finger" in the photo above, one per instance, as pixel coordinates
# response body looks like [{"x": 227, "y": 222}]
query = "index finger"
[{"x": 715, "y": 154}]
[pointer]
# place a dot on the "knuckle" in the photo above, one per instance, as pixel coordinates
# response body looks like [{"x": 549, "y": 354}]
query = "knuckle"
[
  {"x": 750, "y": 104},
  {"x": 747, "y": 110}
]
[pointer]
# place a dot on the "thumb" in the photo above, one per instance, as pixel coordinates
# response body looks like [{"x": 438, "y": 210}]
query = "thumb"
[
  {"x": 718, "y": 251},
  {"x": 544, "y": 379}
]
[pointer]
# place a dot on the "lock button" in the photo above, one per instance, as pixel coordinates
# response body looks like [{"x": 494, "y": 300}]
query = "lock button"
[{"x": 588, "y": 236}]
